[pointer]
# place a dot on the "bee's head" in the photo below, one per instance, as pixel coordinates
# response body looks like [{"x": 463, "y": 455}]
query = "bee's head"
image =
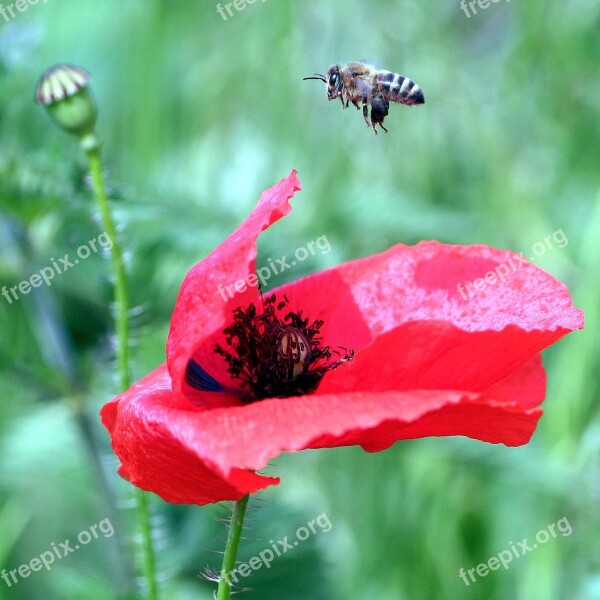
[{"x": 332, "y": 79}]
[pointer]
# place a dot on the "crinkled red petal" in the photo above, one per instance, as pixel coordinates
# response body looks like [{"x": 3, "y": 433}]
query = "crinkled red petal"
[
  {"x": 204, "y": 306},
  {"x": 414, "y": 329},
  {"x": 187, "y": 455},
  {"x": 167, "y": 449}
]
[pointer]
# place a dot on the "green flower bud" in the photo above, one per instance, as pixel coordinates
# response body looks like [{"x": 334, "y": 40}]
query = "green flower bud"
[{"x": 63, "y": 90}]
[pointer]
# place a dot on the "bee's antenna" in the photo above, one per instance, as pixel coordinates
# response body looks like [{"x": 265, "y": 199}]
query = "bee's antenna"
[{"x": 318, "y": 76}]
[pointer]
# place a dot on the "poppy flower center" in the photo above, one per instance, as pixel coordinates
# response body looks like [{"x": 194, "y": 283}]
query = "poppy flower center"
[{"x": 277, "y": 356}]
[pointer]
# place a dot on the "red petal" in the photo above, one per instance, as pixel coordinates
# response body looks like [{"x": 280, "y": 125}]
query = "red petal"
[
  {"x": 198, "y": 456},
  {"x": 166, "y": 449},
  {"x": 414, "y": 329},
  {"x": 403, "y": 284},
  {"x": 201, "y": 313},
  {"x": 434, "y": 355},
  {"x": 525, "y": 386}
]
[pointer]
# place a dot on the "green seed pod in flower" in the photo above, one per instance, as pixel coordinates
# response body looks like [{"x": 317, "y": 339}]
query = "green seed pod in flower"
[{"x": 63, "y": 90}]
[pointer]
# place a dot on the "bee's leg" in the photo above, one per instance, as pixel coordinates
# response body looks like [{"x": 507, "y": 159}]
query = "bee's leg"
[
  {"x": 365, "y": 109},
  {"x": 379, "y": 110},
  {"x": 355, "y": 102}
]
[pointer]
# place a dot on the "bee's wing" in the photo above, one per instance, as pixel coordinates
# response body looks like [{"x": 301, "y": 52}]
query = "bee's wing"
[{"x": 362, "y": 83}]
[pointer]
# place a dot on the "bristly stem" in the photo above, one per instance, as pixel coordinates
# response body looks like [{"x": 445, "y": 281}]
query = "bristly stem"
[
  {"x": 231, "y": 549},
  {"x": 92, "y": 148},
  {"x": 118, "y": 266},
  {"x": 148, "y": 556}
]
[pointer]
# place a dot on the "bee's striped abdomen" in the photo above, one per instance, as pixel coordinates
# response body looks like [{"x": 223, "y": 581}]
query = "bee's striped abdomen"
[{"x": 400, "y": 89}]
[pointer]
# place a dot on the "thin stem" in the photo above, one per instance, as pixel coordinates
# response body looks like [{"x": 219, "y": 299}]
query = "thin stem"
[
  {"x": 147, "y": 545},
  {"x": 118, "y": 266},
  {"x": 92, "y": 148},
  {"x": 231, "y": 549}
]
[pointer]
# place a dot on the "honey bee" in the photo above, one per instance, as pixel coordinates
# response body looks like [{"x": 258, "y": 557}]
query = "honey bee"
[{"x": 356, "y": 82}]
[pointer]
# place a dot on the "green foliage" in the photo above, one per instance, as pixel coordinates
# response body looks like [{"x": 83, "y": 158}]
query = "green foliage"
[{"x": 198, "y": 115}]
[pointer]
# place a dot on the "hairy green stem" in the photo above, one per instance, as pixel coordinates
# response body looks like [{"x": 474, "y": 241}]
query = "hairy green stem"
[
  {"x": 92, "y": 148},
  {"x": 147, "y": 544},
  {"x": 231, "y": 549},
  {"x": 118, "y": 266}
]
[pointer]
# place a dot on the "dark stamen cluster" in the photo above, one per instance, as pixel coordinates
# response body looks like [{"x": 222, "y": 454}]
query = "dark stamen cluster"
[{"x": 277, "y": 357}]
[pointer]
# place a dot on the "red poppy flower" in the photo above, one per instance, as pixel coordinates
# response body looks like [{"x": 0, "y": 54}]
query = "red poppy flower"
[{"x": 430, "y": 361}]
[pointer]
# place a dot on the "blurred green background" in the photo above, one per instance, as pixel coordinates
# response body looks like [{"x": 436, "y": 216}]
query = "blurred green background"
[{"x": 198, "y": 115}]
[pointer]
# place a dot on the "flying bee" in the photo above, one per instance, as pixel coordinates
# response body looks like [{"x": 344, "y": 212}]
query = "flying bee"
[{"x": 360, "y": 82}]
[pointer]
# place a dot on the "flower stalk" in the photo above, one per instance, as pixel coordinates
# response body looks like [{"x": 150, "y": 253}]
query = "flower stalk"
[
  {"x": 231, "y": 548},
  {"x": 92, "y": 149}
]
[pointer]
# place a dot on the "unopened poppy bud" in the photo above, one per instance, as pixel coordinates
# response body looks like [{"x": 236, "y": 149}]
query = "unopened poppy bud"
[{"x": 63, "y": 90}]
